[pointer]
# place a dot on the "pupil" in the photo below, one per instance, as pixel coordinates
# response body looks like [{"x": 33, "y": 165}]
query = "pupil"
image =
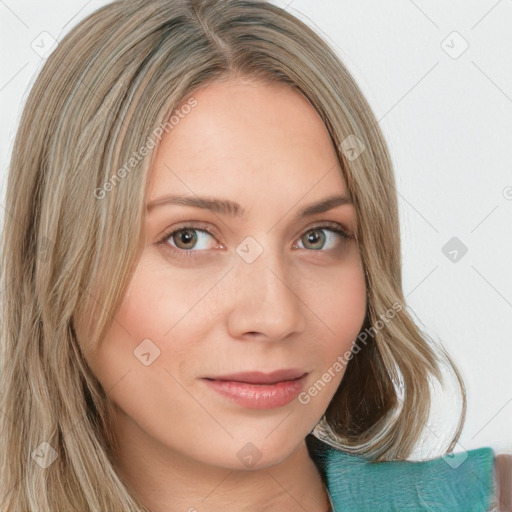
[{"x": 187, "y": 236}]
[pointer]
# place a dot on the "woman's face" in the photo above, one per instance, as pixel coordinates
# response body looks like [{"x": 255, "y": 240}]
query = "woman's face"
[{"x": 256, "y": 287}]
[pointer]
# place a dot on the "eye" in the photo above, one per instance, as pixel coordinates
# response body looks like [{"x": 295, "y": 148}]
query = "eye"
[
  {"x": 183, "y": 241},
  {"x": 316, "y": 236}
]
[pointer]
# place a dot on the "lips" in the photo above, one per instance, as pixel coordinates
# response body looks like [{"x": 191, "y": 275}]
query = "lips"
[
  {"x": 262, "y": 377},
  {"x": 259, "y": 390}
]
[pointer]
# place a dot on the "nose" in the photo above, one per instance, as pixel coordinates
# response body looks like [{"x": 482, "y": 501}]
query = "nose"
[{"x": 265, "y": 303}]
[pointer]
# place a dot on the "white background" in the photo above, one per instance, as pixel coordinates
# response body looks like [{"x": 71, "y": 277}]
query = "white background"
[{"x": 447, "y": 116}]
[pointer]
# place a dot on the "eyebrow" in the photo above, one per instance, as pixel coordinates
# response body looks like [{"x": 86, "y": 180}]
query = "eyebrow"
[{"x": 233, "y": 209}]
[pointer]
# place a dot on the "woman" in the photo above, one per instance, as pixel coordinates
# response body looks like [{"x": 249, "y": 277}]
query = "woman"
[{"x": 203, "y": 271}]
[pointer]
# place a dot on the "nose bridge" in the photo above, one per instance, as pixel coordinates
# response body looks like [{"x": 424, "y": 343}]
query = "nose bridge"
[
  {"x": 265, "y": 276},
  {"x": 264, "y": 301}
]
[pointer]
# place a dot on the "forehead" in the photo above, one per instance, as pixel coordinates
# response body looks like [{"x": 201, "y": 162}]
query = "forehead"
[{"x": 247, "y": 139}]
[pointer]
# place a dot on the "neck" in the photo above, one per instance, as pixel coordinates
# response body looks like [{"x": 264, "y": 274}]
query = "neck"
[{"x": 166, "y": 480}]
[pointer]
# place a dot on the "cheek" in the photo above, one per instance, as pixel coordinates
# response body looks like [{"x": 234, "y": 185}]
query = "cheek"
[
  {"x": 341, "y": 306},
  {"x": 160, "y": 321},
  {"x": 341, "y": 303}
]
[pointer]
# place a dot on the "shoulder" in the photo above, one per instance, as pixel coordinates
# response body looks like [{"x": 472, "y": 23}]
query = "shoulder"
[{"x": 472, "y": 481}]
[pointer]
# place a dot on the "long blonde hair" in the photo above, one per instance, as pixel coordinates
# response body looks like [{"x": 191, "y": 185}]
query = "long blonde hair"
[{"x": 68, "y": 250}]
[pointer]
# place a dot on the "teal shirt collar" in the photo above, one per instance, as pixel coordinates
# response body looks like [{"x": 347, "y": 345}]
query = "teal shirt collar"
[{"x": 463, "y": 482}]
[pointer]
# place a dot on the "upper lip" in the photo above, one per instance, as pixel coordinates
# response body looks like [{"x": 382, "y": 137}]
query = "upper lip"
[{"x": 262, "y": 377}]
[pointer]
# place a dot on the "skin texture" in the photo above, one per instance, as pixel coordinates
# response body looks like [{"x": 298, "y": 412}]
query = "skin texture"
[
  {"x": 503, "y": 469},
  {"x": 299, "y": 304}
]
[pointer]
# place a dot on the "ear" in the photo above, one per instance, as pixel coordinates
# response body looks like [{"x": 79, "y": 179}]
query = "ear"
[{"x": 503, "y": 471}]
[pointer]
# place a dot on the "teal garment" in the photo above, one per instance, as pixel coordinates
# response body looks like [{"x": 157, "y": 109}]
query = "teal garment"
[{"x": 460, "y": 483}]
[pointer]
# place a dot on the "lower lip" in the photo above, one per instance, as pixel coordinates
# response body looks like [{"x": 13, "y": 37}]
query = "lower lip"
[{"x": 258, "y": 396}]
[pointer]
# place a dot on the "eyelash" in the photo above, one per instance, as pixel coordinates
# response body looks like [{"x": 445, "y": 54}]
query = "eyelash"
[{"x": 331, "y": 226}]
